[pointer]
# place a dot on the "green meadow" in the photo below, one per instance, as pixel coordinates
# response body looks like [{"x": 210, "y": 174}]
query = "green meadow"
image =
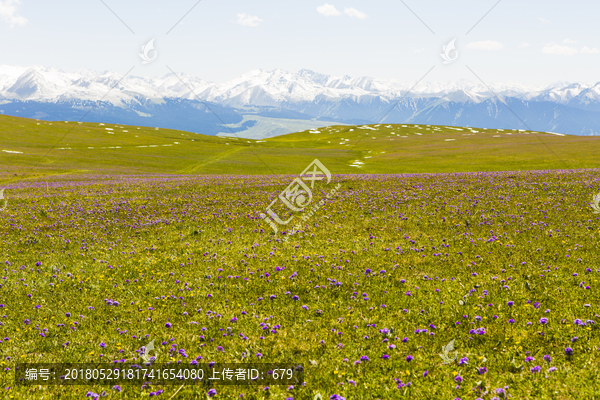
[
  {"x": 46, "y": 148},
  {"x": 484, "y": 240}
]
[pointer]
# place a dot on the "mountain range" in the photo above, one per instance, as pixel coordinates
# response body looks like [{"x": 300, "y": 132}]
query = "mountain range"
[{"x": 262, "y": 103}]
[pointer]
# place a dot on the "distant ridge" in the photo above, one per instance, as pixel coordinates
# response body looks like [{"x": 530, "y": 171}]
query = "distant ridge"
[{"x": 49, "y": 93}]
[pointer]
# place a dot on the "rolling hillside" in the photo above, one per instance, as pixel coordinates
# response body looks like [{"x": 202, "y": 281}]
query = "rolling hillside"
[{"x": 34, "y": 148}]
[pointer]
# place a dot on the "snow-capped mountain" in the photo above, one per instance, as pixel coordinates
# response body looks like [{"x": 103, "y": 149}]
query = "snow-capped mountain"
[
  {"x": 259, "y": 97},
  {"x": 51, "y": 84},
  {"x": 258, "y": 87}
]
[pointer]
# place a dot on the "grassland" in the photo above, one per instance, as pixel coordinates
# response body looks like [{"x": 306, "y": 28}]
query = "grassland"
[
  {"x": 365, "y": 295},
  {"x": 59, "y": 147},
  {"x": 392, "y": 266}
]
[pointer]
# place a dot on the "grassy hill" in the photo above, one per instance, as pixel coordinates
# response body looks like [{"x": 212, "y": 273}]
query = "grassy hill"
[
  {"x": 364, "y": 293},
  {"x": 31, "y": 148}
]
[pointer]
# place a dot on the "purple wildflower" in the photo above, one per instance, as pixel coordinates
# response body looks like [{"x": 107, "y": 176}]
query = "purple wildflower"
[
  {"x": 547, "y": 358},
  {"x": 569, "y": 351}
]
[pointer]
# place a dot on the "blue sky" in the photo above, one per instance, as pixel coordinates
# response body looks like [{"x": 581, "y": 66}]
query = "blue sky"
[{"x": 534, "y": 41}]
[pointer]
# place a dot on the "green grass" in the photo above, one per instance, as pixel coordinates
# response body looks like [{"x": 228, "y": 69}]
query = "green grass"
[
  {"x": 462, "y": 245},
  {"x": 49, "y": 148},
  {"x": 153, "y": 229}
]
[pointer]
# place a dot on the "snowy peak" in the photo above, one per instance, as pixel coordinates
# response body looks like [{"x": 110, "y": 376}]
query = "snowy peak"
[
  {"x": 36, "y": 83},
  {"x": 465, "y": 96},
  {"x": 262, "y": 88},
  {"x": 28, "y": 85}
]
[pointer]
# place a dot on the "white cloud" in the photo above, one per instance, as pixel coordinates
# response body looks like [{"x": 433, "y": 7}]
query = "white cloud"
[
  {"x": 544, "y": 20},
  {"x": 485, "y": 45},
  {"x": 587, "y": 50},
  {"x": 353, "y": 12},
  {"x": 524, "y": 45},
  {"x": 328, "y": 10},
  {"x": 569, "y": 41},
  {"x": 8, "y": 13},
  {"x": 248, "y": 20},
  {"x": 559, "y": 50}
]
